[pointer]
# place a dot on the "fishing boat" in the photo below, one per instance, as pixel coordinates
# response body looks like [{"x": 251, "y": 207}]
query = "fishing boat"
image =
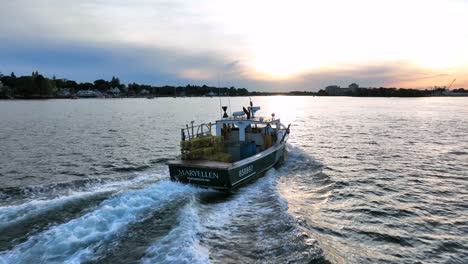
[{"x": 242, "y": 148}]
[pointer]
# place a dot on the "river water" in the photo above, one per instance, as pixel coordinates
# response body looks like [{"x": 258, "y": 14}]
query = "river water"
[{"x": 367, "y": 180}]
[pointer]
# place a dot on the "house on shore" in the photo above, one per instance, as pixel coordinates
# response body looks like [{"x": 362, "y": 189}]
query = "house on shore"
[
  {"x": 210, "y": 94},
  {"x": 114, "y": 91},
  {"x": 144, "y": 92},
  {"x": 88, "y": 93},
  {"x": 64, "y": 92}
]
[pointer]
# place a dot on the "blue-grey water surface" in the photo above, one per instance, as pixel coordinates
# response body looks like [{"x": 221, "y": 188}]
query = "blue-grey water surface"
[{"x": 367, "y": 180}]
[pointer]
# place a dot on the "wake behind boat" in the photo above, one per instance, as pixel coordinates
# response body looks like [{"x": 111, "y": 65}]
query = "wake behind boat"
[{"x": 243, "y": 148}]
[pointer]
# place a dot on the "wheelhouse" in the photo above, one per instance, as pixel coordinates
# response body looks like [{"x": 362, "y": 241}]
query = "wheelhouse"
[{"x": 236, "y": 138}]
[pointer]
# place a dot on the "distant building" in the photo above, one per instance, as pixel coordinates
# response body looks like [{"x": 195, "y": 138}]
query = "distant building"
[
  {"x": 353, "y": 87},
  {"x": 64, "y": 92},
  {"x": 332, "y": 89},
  {"x": 337, "y": 90},
  {"x": 88, "y": 93},
  {"x": 144, "y": 92},
  {"x": 114, "y": 91},
  {"x": 210, "y": 94}
]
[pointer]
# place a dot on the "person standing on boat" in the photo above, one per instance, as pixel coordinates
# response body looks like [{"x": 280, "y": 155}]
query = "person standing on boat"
[
  {"x": 267, "y": 136},
  {"x": 268, "y": 130}
]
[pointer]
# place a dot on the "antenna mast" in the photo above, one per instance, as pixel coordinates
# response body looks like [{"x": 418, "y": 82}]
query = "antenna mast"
[{"x": 219, "y": 96}]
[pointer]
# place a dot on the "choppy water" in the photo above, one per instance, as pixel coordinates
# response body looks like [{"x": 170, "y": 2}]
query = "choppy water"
[{"x": 368, "y": 180}]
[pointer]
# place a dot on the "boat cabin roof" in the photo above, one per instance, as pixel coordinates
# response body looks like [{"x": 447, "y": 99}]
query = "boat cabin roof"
[{"x": 244, "y": 121}]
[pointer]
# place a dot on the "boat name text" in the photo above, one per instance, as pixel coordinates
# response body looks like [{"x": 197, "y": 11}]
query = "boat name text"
[{"x": 201, "y": 174}]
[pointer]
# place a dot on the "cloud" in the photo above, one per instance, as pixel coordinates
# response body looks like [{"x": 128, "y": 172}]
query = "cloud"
[
  {"x": 164, "y": 38},
  {"x": 88, "y": 62},
  {"x": 259, "y": 45}
]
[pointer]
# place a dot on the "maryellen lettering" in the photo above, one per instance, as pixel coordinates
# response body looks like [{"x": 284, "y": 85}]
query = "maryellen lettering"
[{"x": 201, "y": 174}]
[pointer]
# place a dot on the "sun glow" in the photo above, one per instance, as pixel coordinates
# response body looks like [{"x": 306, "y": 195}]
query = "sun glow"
[
  {"x": 281, "y": 63},
  {"x": 286, "y": 41}
]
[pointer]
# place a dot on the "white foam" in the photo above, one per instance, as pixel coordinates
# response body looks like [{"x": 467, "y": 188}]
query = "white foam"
[
  {"x": 182, "y": 244},
  {"x": 11, "y": 214},
  {"x": 75, "y": 241},
  {"x": 224, "y": 213}
]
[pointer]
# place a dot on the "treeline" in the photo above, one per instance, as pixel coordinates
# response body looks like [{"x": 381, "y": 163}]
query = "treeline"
[
  {"x": 292, "y": 93},
  {"x": 268, "y": 93},
  {"x": 189, "y": 90},
  {"x": 25, "y": 86},
  {"x": 38, "y": 86},
  {"x": 460, "y": 90},
  {"x": 355, "y": 90},
  {"x": 389, "y": 92},
  {"x": 402, "y": 92}
]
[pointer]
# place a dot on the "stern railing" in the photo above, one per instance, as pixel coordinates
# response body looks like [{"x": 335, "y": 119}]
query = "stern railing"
[{"x": 192, "y": 131}]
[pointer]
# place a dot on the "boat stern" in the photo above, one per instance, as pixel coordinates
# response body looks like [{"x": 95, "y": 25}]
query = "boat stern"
[{"x": 205, "y": 177}]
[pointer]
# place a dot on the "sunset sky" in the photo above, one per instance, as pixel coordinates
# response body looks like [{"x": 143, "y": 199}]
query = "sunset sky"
[{"x": 259, "y": 45}]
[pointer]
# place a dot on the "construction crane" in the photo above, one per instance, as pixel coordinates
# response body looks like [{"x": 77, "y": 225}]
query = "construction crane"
[{"x": 448, "y": 87}]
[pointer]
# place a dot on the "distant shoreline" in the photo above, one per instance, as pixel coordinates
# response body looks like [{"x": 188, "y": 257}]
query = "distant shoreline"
[
  {"x": 38, "y": 87},
  {"x": 256, "y": 95}
]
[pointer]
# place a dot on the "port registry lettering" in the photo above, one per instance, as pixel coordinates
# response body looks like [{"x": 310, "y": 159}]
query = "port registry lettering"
[
  {"x": 201, "y": 174},
  {"x": 244, "y": 171}
]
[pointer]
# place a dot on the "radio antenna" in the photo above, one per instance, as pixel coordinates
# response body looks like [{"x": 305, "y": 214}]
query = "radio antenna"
[{"x": 219, "y": 96}]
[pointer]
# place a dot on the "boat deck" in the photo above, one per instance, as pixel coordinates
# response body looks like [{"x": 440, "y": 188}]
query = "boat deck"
[{"x": 202, "y": 163}]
